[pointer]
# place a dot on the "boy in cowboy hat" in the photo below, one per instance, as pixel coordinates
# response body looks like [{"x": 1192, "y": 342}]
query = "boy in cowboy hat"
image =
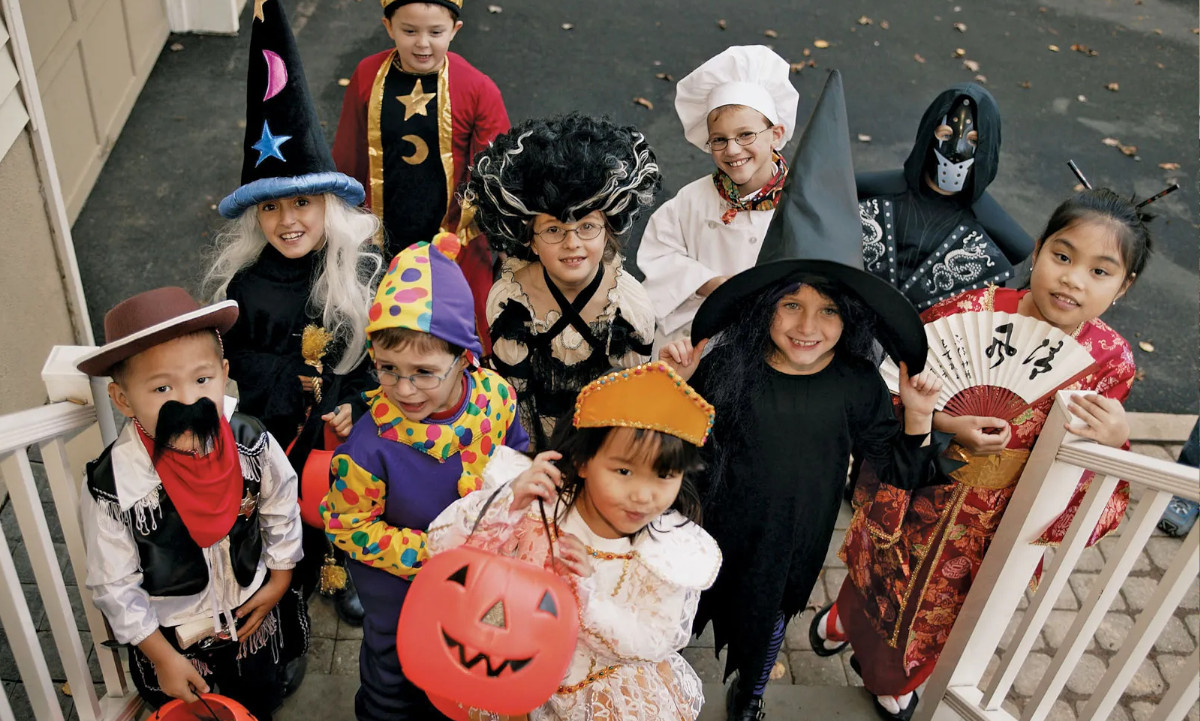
[{"x": 190, "y": 516}]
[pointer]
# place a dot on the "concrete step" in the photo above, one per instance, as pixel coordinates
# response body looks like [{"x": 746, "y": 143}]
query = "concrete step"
[{"x": 334, "y": 695}]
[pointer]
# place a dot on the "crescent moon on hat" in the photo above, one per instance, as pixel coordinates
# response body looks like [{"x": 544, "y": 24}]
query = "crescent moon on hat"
[
  {"x": 277, "y": 76},
  {"x": 422, "y": 150}
]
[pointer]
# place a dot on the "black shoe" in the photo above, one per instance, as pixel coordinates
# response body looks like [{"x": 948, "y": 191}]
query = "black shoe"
[
  {"x": 293, "y": 674},
  {"x": 815, "y": 640},
  {"x": 349, "y": 608},
  {"x": 905, "y": 714},
  {"x": 743, "y": 707}
]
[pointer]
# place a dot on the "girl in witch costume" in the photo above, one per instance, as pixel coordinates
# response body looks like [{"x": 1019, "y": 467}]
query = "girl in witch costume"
[
  {"x": 296, "y": 256},
  {"x": 899, "y": 602},
  {"x": 739, "y": 107},
  {"x": 558, "y": 196},
  {"x": 625, "y": 514},
  {"x": 792, "y": 376},
  {"x": 190, "y": 516}
]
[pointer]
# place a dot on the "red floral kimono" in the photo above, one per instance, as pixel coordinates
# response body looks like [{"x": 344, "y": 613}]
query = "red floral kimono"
[{"x": 911, "y": 556}]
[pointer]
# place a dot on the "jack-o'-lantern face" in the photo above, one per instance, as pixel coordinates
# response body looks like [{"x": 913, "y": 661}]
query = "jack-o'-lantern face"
[{"x": 487, "y": 631}]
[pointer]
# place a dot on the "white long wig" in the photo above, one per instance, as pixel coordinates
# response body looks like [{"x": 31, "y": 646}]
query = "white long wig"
[{"x": 342, "y": 292}]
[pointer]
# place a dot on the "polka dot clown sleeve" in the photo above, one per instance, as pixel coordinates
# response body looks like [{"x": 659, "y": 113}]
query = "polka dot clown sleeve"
[{"x": 353, "y": 515}]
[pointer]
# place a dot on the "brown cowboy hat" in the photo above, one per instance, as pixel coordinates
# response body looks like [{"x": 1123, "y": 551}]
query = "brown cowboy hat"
[{"x": 150, "y": 318}]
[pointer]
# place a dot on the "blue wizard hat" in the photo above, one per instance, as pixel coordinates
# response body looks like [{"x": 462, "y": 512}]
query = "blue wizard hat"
[{"x": 285, "y": 153}]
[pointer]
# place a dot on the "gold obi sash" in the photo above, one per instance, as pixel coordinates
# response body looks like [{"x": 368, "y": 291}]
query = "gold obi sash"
[{"x": 992, "y": 471}]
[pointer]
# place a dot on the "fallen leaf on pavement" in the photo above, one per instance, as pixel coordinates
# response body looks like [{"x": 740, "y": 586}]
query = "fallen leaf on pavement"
[
  {"x": 918, "y": 58},
  {"x": 1053, "y": 48},
  {"x": 812, "y": 63},
  {"x": 771, "y": 33},
  {"x": 864, "y": 20},
  {"x": 1081, "y": 48},
  {"x": 961, "y": 27},
  {"x": 864, "y": 138},
  {"x": 1078, "y": 187},
  {"x": 1111, "y": 142},
  {"x": 176, "y": 47},
  {"x": 884, "y": 24},
  {"x": 664, "y": 76},
  {"x": 1025, "y": 84},
  {"x": 494, "y": 9},
  {"x": 1113, "y": 87},
  {"x": 806, "y": 52},
  {"x": 1146, "y": 346},
  {"x": 981, "y": 79},
  {"x": 959, "y": 52},
  {"x": 1169, "y": 166},
  {"x": 1139, "y": 374},
  {"x": 1043, "y": 9},
  {"x": 644, "y": 103},
  {"x": 1130, "y": 150},
  {"x": 820, "y": 44},
  {"x": 568, "y": 26},
  {"x": 1082, "y": 98},
  {"x": 971, "y": 65},
  {"x": 721, "y": 24},
  {"x": 796, "y": 67},
  {"x": 343, "y": 81}
]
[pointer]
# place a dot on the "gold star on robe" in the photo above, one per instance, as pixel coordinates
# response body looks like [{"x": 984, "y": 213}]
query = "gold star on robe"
[
  {"x": 416, "y": 101},
  {"x": 258, "y": 11}
]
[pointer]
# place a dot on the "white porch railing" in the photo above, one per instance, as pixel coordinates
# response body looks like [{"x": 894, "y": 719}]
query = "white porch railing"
[
  {"x": 958, "y": 688},
  {"x": 48, "y": 428}
]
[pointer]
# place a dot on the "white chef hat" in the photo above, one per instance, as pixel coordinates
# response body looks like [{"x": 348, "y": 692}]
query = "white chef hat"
[{"x": 750, "y": 75}]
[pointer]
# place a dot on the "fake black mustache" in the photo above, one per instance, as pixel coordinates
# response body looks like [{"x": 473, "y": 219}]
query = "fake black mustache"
[{"x": 174, "y": 419}]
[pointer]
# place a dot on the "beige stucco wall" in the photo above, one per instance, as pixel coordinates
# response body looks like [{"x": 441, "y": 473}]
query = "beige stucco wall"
[{"x": 32, "y": 297}]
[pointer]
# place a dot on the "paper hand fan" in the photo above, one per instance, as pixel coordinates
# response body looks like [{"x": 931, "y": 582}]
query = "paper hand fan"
[{"x": 997, "y": 364}]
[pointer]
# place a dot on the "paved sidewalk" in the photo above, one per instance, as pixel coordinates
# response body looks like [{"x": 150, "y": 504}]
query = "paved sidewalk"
[{"x": 813, "y": 687}]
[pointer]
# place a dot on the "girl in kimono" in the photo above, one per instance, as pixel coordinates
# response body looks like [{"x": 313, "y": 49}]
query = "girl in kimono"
[
  {"x": 558, "y": 197},
  {"x": 740, "y": 108},
  {"x": 624, "y": 511},
  {"x": 898, "y": 602}
]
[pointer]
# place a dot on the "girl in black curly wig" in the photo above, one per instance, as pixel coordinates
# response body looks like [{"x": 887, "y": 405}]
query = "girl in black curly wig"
[{"x": 558, "y": 196}]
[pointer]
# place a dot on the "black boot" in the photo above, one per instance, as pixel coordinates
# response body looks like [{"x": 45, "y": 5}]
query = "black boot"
[
  {"x": 743, "y": 706},
  {"x": 293, "y": 674},
  {"x": 349, "y": 608}
]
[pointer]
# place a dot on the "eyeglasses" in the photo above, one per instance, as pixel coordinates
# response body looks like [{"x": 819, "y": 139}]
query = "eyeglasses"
[
  {"x": 742, "y": 139},
  {"x": 420, "y": 381},
  {"x": 556, "y": 234}
]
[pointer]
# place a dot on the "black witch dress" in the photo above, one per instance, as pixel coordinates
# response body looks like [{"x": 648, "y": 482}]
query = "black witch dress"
[
  {"x": 781, "y": 468},
  {"x": 548, "y": 361},
  {"x": 264, "y": 352}
]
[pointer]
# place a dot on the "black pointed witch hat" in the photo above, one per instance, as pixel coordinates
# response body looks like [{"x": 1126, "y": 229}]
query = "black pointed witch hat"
[
  {"x": 285, "y": 153},
  {"x": 816, "y": 231}
]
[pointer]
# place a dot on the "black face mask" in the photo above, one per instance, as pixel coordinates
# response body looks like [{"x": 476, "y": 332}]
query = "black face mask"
[
  {"x": 950, "y": 160},
  {"x": 174, "y": 419}
]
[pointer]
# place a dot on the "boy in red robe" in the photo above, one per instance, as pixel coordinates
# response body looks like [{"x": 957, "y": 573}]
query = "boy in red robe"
[{"x": 412, "y": 119}]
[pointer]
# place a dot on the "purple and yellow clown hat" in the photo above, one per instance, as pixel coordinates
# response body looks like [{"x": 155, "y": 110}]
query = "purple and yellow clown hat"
[{"x": 424, "y": 290}]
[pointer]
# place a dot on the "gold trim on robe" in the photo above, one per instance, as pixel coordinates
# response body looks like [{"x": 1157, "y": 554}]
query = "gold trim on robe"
[{"x": 375, "y": 140}]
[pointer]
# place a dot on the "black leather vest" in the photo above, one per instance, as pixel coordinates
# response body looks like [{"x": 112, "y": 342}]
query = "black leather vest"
[{"x": 172, "y": 563}]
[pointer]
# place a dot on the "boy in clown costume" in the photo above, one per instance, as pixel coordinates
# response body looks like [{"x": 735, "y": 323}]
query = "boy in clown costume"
[{"x": 434, "y": 421}]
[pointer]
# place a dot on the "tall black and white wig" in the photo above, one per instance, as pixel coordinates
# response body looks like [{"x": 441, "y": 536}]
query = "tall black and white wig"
[{"x": 566, "y": 167}]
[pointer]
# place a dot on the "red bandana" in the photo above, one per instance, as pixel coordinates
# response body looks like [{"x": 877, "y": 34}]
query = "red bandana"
[
  {"x": 767, "y": 195},
  {"x": 206, "y": 490}
]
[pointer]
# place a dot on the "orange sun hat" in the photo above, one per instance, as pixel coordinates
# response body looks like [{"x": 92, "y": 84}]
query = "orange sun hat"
[{"x": 651, "y": 397}]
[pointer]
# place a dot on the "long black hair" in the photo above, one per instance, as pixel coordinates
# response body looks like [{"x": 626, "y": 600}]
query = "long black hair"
[
  {"x": 670, "y": 454},
  {"x": 740, "y": 358},
  {"x": 1102, "y": 204}
]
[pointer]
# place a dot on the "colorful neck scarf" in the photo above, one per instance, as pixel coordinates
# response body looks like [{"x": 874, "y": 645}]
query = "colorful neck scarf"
[
  {"x": 488, "y": 410},
  {"x": 764, "y": 199},
  {"x": 206, "y": 490}
]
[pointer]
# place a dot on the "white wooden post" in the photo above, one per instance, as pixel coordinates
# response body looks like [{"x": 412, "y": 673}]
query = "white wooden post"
[
  {"x": 204, "y": 16},
  {"x": 22, "y": 638},
  {"x": 1045, "y": 488}
]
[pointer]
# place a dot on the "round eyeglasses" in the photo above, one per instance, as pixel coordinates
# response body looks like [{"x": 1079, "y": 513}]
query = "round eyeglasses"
[
  {"x": 743, "y": 139},
  {"x": 556, "y": 234},
  {"x": 420, "y": 381}
]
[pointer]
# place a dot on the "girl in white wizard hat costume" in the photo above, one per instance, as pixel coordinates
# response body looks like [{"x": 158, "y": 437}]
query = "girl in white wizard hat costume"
[{"x": 740, "y": 107}]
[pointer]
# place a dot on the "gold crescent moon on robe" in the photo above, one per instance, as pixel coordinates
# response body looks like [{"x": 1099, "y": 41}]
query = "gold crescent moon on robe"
[{"x": 422, "y": 150}]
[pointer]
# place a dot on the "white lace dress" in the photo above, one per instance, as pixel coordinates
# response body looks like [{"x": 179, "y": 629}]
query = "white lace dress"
[{"x": 636, "y": 609}]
